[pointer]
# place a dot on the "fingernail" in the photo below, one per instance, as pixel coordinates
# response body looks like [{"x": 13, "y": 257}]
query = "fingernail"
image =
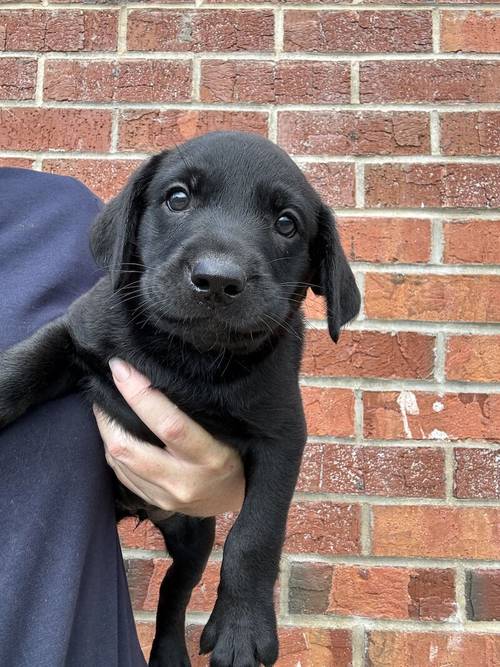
[{"x": 120, "y": 370}]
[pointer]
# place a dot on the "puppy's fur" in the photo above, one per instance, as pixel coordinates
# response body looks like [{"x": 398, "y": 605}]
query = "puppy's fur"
[{"x": 228, "y": 355}]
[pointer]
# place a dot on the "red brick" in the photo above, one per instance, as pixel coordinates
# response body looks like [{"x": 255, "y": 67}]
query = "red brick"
[
  {"x": 424, "y": 415},
  {"x": 200, "y": 30},
  {"x": 308, "y": 647},
  {"x": 432, "y": 297},
  {"x": 331, "y": 647},
  {"x": 323, "y": 528},
  {"x": 118, "y": 2},
  {"x": 314, "y": 307},
  {"x": 329, "y": 411},
  {"x": 374, "y": 592},
  {"x": 429, "y": 81},
  {"x": 146, "y": 632},
  {"x": 157, "y": 130},
  {"x": 482, "y": 591},
  {"x": 32, "y": 129},
  {"x": 19, "y": 162},
  {"x": 313, "y": 527},
  {"x": 433, "y": 649},
  {"x": 319, "y": 527},
  {"x": 476, "y": 133},
  {"x": 124, "y": 81},
  {"x": 477, "y": 473},
  {"x": 335, "y": 182},
  {"x": 104, "y": 177},
  {"x": 472, "y": 242},
  {"x": 145, "y": 576},
  {"x": 369, "y": 354},
  {"x": 383, "y": 471},
  {"x": 348, "y": 133},
  {"x": 436, "y": 532},
  {"x": 474, "y": 31},
  {"x": 387, "y": 240},
  {"x": 473, "y": 358},
  {"x": 433, "y": 185},
  {"x": 17, "y": 78},
  {"x": 358, "y": 32},
  {"x": 314, "y": 647},
  {"x": 280, "y": 82},
  {"x": 58, "y": 30}
]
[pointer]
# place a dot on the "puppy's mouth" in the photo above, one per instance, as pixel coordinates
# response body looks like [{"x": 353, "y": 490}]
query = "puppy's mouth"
[{"x": 202, "y": 327}]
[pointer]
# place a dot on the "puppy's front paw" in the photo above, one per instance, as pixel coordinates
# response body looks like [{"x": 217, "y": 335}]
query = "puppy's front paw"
[{"x": 241, "y": 635}]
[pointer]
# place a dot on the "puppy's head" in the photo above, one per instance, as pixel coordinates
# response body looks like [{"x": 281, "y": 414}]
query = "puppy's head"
[{"x": 218, "y": 240}]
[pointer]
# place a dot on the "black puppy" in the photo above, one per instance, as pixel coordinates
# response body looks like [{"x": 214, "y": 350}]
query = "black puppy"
[{"x": 210, "y": 249}]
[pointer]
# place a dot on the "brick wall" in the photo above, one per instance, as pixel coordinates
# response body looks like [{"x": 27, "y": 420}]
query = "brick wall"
[{"x": 393, "y": 110}]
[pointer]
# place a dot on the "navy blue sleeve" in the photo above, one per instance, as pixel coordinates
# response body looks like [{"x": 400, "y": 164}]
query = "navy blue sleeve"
[{"x": 63, "y": 594}]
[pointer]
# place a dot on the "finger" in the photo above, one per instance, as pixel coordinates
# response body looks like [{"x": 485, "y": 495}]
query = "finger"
[
  {"x": 147, "y": 461},
  {"x": 134, "y": 485},
  {"x": 183, "y": 436}
]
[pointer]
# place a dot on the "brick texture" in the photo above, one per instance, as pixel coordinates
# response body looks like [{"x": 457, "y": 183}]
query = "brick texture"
[
  {"x": 427, "y": 416},
  {"x": 483, "y": 595},
  {"x": 471, "y": 32},
  {"x": 366, "y": 133},
  {"x": 429, "y": 649},
  {"x": 380, "y": 471},
  {"x": 391, "y": 109},
  {"x": 472, "y": 242},
  {"x": 377, "y": 592},
  {"x": 365, "y": 32}
]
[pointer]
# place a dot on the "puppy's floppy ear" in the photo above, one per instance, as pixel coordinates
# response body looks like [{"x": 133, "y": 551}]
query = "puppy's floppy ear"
[
  {"x": 113, "y": 232},
  {"x": 333, "y": 277}
]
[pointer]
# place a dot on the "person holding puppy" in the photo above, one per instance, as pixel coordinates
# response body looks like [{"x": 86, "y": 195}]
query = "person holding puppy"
[{"x": 64, "y": 597}]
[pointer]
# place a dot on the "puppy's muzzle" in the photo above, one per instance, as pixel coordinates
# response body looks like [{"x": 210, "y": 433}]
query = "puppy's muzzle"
[{"x": 218, "y": 279}]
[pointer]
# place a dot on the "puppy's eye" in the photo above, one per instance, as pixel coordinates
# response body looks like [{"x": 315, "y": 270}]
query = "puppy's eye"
[
  {"x": 178, "y": 199},
  {"x": 286, "y": 225}
]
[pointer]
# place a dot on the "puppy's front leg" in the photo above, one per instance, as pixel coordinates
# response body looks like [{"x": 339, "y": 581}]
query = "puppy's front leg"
[
  {"x": 36, "y": 370},
  {"x": 241, "y": 631}
]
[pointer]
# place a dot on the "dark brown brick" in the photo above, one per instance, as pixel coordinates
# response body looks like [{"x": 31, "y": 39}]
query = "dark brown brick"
[{"x": 482, "y": 592}]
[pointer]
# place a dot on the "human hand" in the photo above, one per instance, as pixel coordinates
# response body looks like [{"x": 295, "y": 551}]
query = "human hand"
[{"x": 195, "y": 474}]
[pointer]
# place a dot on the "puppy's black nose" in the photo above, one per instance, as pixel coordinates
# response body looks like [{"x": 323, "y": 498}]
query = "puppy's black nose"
[{"x": 218, "y": 278}]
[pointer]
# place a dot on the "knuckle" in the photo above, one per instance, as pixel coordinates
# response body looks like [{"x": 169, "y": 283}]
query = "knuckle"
[
  {"x": 184, "y": 494},
  {"x": 172, "y": 428},
  {"x": 116, "y": 448}
]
